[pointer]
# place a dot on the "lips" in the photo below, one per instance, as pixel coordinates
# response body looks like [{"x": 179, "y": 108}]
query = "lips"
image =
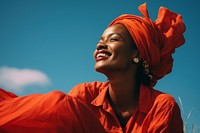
[{"x": 101, "y": 55}]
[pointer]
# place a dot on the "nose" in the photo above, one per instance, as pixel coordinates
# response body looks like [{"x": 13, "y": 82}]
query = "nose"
[{"x": 101, "y": 45}]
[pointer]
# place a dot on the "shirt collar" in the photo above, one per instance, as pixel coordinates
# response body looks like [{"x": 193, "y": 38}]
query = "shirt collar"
[
  {"x": 101, "y": 98},
  {"x": 145, "y": 99}
]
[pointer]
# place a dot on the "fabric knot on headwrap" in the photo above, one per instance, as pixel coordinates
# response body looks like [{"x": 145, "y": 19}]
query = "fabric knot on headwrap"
[{"x": 156, "y": 41}]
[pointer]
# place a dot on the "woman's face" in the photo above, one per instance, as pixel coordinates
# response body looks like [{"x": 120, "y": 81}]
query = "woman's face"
[{"x": 115, "y": 50}]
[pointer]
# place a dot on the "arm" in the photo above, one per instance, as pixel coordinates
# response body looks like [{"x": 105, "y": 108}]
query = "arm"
[{"x": 43, "y": 113}]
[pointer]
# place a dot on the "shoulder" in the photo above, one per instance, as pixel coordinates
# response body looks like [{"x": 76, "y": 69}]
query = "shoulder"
[
  {"x": 88, "y": 91},
  {"x": 154, "y": 100},
  {"x": 162, "y": 98},
  {"x": 164, "y": 113},
  {"x": 163, "y": 102}
]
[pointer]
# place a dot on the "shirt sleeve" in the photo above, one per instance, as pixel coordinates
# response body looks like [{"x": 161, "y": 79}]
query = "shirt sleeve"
[
  {"x": 176, "y": 124},
  {"x": 43, "y": 113}
]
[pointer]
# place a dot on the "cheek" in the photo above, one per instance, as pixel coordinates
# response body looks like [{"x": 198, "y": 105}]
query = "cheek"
[{"x": 123, "y": 53}]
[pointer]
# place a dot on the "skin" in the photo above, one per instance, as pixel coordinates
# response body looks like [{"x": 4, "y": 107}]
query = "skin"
[{"x": 113, "y": 55}]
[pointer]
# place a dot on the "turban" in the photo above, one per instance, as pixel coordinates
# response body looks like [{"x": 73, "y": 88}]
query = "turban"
[{"x": 156, "y": 41}]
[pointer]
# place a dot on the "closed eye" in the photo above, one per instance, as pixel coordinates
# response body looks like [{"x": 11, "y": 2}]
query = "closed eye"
[{"x": 114, "y": 39}]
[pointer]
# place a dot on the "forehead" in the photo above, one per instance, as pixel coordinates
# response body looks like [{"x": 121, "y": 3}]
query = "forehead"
[{"x": 118, "y": 29}]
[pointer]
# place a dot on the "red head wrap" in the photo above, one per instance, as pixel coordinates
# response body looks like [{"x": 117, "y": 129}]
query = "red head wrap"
[{"x": 156, "y": 41}]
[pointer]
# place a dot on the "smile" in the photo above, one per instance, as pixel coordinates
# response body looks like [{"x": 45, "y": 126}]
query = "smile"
[{"x": 103, "y": 55}]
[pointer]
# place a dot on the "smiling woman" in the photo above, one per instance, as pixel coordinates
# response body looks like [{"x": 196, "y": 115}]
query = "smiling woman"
[{"x": 133, "y": 52}]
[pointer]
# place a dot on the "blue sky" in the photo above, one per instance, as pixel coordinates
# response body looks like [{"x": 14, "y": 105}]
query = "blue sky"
[{"x": 56, "y": 39}]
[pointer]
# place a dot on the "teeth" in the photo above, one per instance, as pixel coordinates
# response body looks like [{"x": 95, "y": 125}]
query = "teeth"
[{"x": 102, "y": 55}]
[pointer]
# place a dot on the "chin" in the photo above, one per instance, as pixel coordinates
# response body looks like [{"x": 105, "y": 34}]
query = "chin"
[
  {"x": 101, "y": 69},
  {"x": 98, "y": 69}
]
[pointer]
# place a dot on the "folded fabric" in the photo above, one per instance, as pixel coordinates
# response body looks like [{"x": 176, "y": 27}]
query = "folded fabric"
[{"x": 54, "y": 112}]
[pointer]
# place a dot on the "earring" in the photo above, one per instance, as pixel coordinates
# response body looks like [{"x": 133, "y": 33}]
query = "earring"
[
  {"x": 146, "y": 67},
  {"x": 146, "y": 70},
  {"x": 136, "y": 60}
]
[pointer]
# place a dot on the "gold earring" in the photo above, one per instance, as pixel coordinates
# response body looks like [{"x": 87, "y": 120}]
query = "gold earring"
[{"x": 136, "y": 60}]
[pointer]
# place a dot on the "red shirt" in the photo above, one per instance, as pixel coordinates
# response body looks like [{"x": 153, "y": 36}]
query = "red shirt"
[{"x": 157, "y": 112}]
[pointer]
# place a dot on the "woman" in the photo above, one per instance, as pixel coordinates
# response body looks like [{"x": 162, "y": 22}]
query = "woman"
[{"x": 133, "y": 53}]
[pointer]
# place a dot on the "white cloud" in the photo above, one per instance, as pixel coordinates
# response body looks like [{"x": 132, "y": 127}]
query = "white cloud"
[{"x": 17, "y": 79}]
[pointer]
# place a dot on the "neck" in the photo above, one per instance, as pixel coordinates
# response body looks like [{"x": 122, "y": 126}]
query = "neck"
[
  {"x": 123, "y": 95},
  {"x": 124, "y": 90}
]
